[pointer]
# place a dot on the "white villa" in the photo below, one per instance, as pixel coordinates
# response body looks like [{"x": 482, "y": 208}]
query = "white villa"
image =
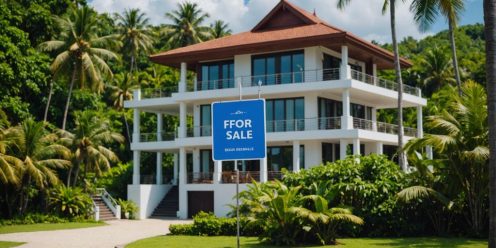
[{"x": 322, "y": 94}]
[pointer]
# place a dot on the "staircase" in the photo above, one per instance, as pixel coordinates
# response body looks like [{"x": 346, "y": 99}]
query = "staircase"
[
  {"x": 105, "y": 212},
  {"x": 169, "y": 206}
]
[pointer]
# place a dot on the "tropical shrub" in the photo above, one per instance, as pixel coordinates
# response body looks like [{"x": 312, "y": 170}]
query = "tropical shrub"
[
  {"x": 70, "y": 202},
  {"x": 368, "y": 185},
  {"x": 128, "y": 207},
  {"x": 207, "y": 224}
]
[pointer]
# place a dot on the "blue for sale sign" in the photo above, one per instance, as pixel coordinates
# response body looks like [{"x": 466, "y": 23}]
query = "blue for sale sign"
[{"x": 238, "y": 130}]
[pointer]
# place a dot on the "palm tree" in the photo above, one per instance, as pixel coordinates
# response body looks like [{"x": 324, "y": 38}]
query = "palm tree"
[
  {"x": 120, "y": 91},
  {"x": 40, "y": 156},
  {"x": 490, "y": 36},
  {"x": 437, "y": 66},
  {"x": 186, "y": 27},
  {"x": 81, "y": 53},
  {"x": 9, "y": 165},
  {"x": 425, "y": 12},
  {"x": 459, "y": 135},
  {"x": 134, "y": 34},
  {"x": 397, "y": 67},
  {"x": 219, "y": 29},
  {"x": 87, "y": 145}
]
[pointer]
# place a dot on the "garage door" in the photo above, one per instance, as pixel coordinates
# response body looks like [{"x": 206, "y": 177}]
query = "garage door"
[{"x": 200, "y": 201}]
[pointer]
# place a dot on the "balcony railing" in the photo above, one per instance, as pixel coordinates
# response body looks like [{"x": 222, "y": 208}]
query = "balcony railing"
[
  {"x": 159, "y": 93},
  {"x": 200, "y": 177},
  {"x": 383, "y": 83},
  {"x": 153, "y": 137},
  {"x": 244, "y": 176},
  {"x": 199, "y": 131},
  {"x": 290, "y": 77},
  {"x": 273, "y": 175},
  {"x": 152, "y": 179},
  {"x": 382, "y": 127}
]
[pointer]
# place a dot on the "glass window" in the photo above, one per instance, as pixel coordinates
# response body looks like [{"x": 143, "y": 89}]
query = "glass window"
[
  {"x": 286, "y": 76},
  {"x": 269, "y": 113},
  {"x": 285, "y": 114},
  {"x": 259, "y": 70},
  {"x": 298, "y": 67},
  {"x": 206, "y": 162},
  {"x": 290, "y": 115},
  {"x": 281, "y": 68},
  {"x": 271, "y": 71},
  {"x": 216, "y": 75},
  {"x": 213, "y": 77},
  {"x": 279, "y": 116}
]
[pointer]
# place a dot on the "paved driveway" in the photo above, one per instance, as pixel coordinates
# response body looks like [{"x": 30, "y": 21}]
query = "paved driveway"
[{"x": 119, "y": 232}]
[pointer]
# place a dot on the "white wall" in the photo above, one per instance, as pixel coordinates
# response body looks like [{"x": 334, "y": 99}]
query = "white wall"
[
  {"x": 313, "y": 58},
  {"x": 242, "y": 65},
  {"x": 147, "y": 197},
  {"x": 313, "y": 153}
]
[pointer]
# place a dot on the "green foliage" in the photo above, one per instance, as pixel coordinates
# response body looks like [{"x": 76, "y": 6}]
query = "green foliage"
[
  {"x": 128, "y": 207},
  {"x": 207, "y": 224},
  {"x": 116, "y": 179},
  {"x": 71, "y": 202}
]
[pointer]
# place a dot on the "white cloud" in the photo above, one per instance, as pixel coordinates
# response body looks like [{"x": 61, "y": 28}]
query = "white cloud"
[{"x": 361, "y": 17}]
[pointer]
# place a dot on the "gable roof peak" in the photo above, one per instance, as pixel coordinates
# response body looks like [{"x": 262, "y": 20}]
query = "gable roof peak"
[{"x": 286, "y": 15}]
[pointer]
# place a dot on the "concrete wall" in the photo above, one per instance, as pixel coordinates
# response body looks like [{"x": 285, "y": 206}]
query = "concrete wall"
[{"x": 147, "y": 197}]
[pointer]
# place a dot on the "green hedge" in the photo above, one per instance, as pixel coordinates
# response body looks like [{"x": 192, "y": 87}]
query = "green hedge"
[
  {"x": 207, "y": 224},
  {"x": 35, "y": 218}
]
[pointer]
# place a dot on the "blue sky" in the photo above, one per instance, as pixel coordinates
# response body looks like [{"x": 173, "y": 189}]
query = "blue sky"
[{"x": 361, "y": 17}]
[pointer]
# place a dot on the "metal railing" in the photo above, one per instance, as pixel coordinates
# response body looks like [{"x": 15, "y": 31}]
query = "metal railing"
[
  {"x": 290, "y": 77},
  {"x": 152, "y": 137},
  {"x": 244, "y": 176},
  {"x": 382, "y": 127},
  {"x": 199, "y": 131},
  {"x": 109, "y": 201},
  {"x": 96, "y": 211},
  {"x": 225, "y": 83},
  {"x": 200, "y": 177},
  {"x": 158, "y": 93},
  {"x": 273, "y": 175},
  {"x": 383, "y": 83}
]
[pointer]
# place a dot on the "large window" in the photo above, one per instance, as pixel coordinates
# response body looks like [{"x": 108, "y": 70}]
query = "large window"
[
  {"x": 279, "y": 157},
  {"x": 280, "y": 68},
  {"x": 332, "y": 108},
  {"x": 285, "y": 114},
  {"x": 206, "y": 162},
  {"x": 216, "y": 75},
  {"x": 205, "y": 120}
]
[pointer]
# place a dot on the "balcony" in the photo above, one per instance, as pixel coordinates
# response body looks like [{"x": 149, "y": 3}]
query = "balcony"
[
  {"x": 307, "y": 76},
  {"x": 229, "y": 177},
  {"x": 154, "y": 137},
  {"x": 200, "y": 178}
]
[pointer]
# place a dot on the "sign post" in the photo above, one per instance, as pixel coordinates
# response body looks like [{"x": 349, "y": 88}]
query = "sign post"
[{"x": 238, "y": 133}]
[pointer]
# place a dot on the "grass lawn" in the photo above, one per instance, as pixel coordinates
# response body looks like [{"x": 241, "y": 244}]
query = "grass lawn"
[
  {"x": 46, "y": 227},
  {"x": 5, "y": 244},
  {"x": 226, "y": 242}
]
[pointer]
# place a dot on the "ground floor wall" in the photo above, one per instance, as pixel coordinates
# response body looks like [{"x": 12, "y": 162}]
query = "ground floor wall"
[{"x": 147, "y": 197}]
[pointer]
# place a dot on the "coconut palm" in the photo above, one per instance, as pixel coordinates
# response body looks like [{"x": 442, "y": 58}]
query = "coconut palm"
[
  {"x": 87, "y": 144},
  {"x": 490, "y": 37},
  {"x": 437, "y": 66},
  {"x": 397, "y": 68},
  {"x": 460, "y": 135},
  {"x": 9, "y": 165},
  {"x": 425, "y": 12},
  {"x": 120, "y": 91},
  {"x": 40, "y": 157},
  {"x": 186, "y": 27},
  {"x": 134, "y": 34},
  {"x": 219, "y": 29},
  {"x": 81, "y": 53}
]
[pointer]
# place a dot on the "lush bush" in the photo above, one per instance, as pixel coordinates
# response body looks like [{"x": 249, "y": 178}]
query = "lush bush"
[
  {"x": 207, "y": 224},
  {"x": 368, "y": 185},
  {"x": 71, "y": 202},
  {"x": 128, "y": 207},
  {"x": 116, "y": 179}
]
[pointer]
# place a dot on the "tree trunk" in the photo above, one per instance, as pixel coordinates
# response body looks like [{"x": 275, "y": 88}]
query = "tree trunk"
[
  {"x": 76, "y": 175},
  {"x": 453, "y": 55},
  {"x": 490, "y": 34},
  {"x": 132, "y": 64},
  {"x": 73, "y": 79},
  {"x": 127, "y": 125},
  {"x": 397, "y": 68},
  {"x": 45, "y": 117}
]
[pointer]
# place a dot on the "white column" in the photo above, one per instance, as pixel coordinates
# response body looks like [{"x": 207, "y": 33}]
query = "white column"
[
  {"x": 160, "y": 125},
  {"x": 176, "y": 169},
  {"x": 420, "y": 124},
  {"x": 356, "y": 147},
  {"x": 159, "y": 168},
  {"x": 136, "y": 167},
  {"x": 136, "y": 139},
  {"x": 182, "y": 82},
  {"x": 296, "y": 156},
  {"x": 374, "y": 72},
  {"x": 345, "y": 70},
  {"x": 343, "y": 145},
  {"x": 217, "y": 172},
  {"x": 196, "y": 120},
  {"x": 346, "y": 119},
  {"x": 182, "y": 120},
  {"x": 263, "y": 170},
  {"x": 374, "y": 119},
  {"x": 379, "y": 148},
  {"x": 183, "y": 207}
]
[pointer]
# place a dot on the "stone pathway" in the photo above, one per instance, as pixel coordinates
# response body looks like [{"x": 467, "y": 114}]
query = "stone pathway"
[{"x": 116, "y": 233}]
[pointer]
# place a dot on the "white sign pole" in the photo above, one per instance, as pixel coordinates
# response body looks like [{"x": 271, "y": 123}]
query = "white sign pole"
[{"x": 237, "y": 182}]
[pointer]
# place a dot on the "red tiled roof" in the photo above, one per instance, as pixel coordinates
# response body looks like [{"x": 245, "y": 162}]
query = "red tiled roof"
[{"x": 313, "y": 29}]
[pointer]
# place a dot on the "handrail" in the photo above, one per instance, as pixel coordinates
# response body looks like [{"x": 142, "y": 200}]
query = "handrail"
[
  {"x": 109, "y": 201},
  {"x": 383, "y": 83},
  {"x": 96, "y": 210}
]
